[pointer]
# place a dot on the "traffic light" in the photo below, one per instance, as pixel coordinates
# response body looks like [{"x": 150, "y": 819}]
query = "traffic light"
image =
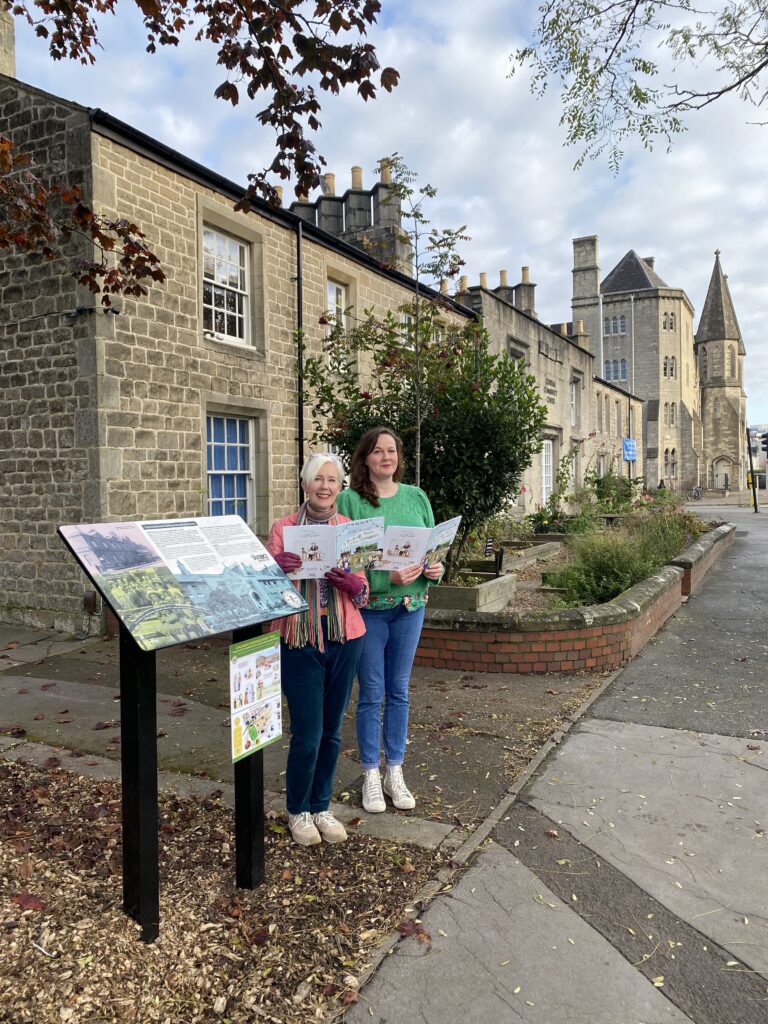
[{"x": 764, "y": 438}]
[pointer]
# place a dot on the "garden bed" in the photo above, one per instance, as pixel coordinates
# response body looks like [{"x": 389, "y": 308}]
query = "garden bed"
[{"x": 590, "y": 637}]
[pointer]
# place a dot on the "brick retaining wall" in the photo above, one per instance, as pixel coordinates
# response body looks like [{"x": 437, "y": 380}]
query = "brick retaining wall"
[{"x": 592, "y": 637}]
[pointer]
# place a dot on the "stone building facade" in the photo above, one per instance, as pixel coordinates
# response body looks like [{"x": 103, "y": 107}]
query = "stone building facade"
[
  {"x": 587, "y": 416},
  {"x": 641, "y": 332},
  {"x": 185, "y": 401}
]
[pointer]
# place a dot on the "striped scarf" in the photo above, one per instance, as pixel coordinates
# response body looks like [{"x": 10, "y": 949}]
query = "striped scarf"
[{"x": 306, "y": 628}]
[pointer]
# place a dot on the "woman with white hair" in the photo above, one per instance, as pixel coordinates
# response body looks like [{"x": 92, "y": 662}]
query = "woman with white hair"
[{"x": 319, "y": 652}]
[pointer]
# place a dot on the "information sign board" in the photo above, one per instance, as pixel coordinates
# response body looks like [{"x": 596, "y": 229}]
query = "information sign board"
[
  {"x": 171, "y": 581},
  {"x": 630, "y": 449}
]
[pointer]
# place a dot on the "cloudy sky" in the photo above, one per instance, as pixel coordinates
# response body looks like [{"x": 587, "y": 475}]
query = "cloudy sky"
[{"x": 493, "y": 151}]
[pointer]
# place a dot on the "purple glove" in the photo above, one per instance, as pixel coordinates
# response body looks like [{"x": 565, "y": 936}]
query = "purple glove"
[
  {"x": 288, "y": 561},
  {"x": 346, "y": 582}
]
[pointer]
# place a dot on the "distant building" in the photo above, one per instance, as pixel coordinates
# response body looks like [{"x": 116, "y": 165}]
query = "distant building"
[{"x": 641, "y": 334}]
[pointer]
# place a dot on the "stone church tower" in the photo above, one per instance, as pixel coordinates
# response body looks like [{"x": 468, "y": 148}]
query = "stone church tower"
[
  {"x": 641, "y": 334},
  {"x": 720, "y": 356}
]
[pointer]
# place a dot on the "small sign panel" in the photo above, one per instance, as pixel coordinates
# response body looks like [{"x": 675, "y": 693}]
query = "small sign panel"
[
  {"x": 254, "y": 694},
  {"x": 630, "y": 449}
]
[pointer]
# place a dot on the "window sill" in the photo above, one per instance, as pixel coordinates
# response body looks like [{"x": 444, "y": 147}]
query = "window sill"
[{"x": 241, "y": 348}]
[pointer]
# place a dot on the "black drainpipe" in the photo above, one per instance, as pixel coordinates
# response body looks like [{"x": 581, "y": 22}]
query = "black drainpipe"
[{"x": 300, "y": 360}]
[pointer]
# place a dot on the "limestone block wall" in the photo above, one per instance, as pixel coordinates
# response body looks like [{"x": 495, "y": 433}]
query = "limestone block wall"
[{"x": 47, "y": 381}]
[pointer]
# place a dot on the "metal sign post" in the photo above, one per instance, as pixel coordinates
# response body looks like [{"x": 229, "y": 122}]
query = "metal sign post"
[
  {"x": 138, "y": 754},
  {"x": 249, "y": 805}
]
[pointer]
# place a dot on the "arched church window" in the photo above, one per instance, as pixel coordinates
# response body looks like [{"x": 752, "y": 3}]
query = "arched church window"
[
  {"x": 615, "y": 369},
  {"x": 673, "y": 414},
  {"x": 666, "y": 414},
  {"x": 607, "y": 369},
  {"x": 673, "y": 463},
  {"x": 615, "y": 325},
  {"x": 671, "y": 321},
  {"x": 623, "y": 369},
  {"x": 672, "y": 366},
  {"x": 666, "y": 366},
  {"x": 665, "y": 322},
  {"x": 703, "y": 357},
  {"x": 666, "y": 462},
  {"x": 622, "y": 325},
  {"x": 607, "y": 325},
  {"x": 731, "y": 361},
  {"x": 716, "y": 408}
]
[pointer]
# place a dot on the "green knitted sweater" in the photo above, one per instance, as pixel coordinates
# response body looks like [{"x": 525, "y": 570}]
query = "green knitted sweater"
[{"x": 408, "y": 507}]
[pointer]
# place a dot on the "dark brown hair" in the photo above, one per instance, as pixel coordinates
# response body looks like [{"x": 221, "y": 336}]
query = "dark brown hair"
[{"x": 359, "y": 478}]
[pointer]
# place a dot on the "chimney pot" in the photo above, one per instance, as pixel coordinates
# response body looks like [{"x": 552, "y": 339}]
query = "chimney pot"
[
  {"x": 503, "y": 279},
  {"x": 357, "y": 178},
  {"x": 579, "y": 327},
  {"x": 385, "y": 172},
  {"x": 279, "y": 191},
  {"x": 463, "y": 283},
  {"x": 483, "y": 280},
  {"x": 443, "y": 287},
  {"x": 564, "y": 330},
  {"x": 330, "y": 184},
  {"x": 526, "y": 276}
]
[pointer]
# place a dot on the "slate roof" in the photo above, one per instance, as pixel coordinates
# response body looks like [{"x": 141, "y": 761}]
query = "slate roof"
[
  {"x": 631, "y": 274},
  {"x": 718, "y": 318}
]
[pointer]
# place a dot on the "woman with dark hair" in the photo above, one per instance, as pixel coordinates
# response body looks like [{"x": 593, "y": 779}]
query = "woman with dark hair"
[
  {"x": 393, "y": 617},
  {"x": 319, "y": 652}
]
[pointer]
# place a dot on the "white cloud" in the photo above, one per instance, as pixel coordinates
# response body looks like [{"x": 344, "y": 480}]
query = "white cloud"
[{"x": 494, "y": 152}]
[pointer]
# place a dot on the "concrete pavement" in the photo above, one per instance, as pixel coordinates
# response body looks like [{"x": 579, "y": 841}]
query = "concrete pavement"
[
  {"x": 627, "y": 883},
  {"x": 624, "y": 885}
]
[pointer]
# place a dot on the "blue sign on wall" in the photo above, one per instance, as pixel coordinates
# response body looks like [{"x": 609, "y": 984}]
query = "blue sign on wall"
[{"x": 630, "y": 449}]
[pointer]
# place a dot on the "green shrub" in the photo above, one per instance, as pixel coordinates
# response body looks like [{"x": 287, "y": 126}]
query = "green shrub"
[{"x": 606, "y": 563}]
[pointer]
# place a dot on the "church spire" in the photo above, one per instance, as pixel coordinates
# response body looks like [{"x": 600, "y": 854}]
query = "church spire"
[{"x": 718, "y": 318}]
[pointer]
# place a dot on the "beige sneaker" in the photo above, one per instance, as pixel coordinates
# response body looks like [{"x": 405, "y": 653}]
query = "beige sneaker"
[
  {"x": 303, "y": 829},
  {"x": 329, "y": 827},
  {"x": 396, "y": 789},
  {"x": 373, "y": 798}
]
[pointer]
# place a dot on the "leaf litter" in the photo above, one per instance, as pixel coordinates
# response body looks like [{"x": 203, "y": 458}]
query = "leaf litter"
[{"x": 296, "y": 948}]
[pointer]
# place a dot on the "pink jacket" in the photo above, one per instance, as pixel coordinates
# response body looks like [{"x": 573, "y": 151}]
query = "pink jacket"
[{"x": 353, "y": 620}]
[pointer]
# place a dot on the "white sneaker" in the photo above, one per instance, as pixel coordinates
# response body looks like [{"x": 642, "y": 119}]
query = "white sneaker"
[
  {"x": 396, "y": 789},
  {"x": 303, "y": 829},
  {"x": 373, "y": 798},
  {"x": 330, "y": 828}
]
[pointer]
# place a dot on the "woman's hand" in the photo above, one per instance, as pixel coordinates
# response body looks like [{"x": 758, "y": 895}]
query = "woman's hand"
[
  {"x": 288, "y": 561},
  {"x": 433, "y": 571},
  {"x": 402, "y": 577},
  {"x": 346, "y": 582}
]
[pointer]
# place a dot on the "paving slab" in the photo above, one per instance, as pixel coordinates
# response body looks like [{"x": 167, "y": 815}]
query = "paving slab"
[
  {"x": 683, "y": 815},
  {"x": 503, "y": 949}
]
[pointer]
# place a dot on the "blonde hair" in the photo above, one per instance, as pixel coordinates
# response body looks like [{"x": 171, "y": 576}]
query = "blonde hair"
[{"x": 314, "y": 464}]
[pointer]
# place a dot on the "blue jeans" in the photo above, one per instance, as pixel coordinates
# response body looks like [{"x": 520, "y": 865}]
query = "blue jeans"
[
  {"x": 317, "y": 686},
  {"x": 389, "y": 647}
]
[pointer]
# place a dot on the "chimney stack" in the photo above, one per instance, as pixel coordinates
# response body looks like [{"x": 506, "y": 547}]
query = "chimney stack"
[
  {"x": 329, "y": 184},
  {"x": 525, "y": 293},
  {"x": 385, "y": 172},
  {"x": 463, "y": 284},
  {"x": 503, "y": 277},
  {"x": 7, "y": 45},
  {"x": 357, "y": 179},
  {"x": 483, "y": 280}
]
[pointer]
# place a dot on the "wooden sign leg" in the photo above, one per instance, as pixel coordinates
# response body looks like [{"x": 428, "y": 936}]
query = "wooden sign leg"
[
  {"x": 138, "y": 750},
  {"x": 249, "y": 805}
]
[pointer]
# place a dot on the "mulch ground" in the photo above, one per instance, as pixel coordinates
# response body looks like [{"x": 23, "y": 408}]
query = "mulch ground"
[{"x": 292, "y": 950}]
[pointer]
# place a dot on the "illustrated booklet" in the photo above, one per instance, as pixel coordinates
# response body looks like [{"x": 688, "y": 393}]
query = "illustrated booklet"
[
  {"x": 417, "y": 545},
  {"x": 354, "y": 547}
]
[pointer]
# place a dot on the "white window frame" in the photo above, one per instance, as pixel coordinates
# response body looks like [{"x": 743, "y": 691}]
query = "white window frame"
[
  {"x": 225, "y": 258},
  {"x": 574, "y": 396},
  {"x": 617, "y": 406},
  {"x": 337, "y": 303},
  {"x": 547, "y": 474},
  {"x": 221, "y": 220},
  {"x": 599, "y": 414},
  {"x": 235, "y": 464}
]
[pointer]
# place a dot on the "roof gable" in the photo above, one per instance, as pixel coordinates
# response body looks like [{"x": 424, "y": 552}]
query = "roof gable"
[{"x": 631, "y": 274}]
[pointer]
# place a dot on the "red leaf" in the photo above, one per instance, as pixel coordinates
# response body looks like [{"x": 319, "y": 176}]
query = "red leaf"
[
  {"x": 13, "y": 730},
  {"x": 27, "y": 901}
]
